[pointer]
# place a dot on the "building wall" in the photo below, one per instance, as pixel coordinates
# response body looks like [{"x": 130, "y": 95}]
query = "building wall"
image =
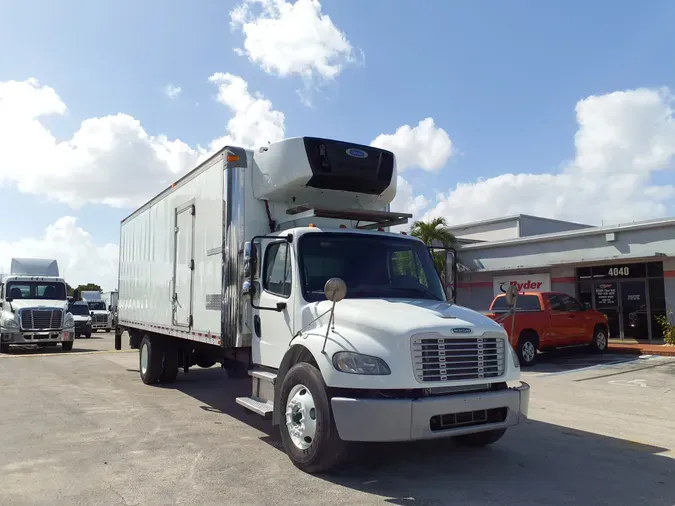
[
  {"x": 533, "y": 225},
  {"x": 636, "y": 243},
  {"x": 488, "y": 231},
  {"x": 669, "y": 280}
]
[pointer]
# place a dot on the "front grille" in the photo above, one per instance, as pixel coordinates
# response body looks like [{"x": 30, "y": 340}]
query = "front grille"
[
  {"x": 467, "y": 419},
  {"x": 41, "y": 319},
  {"x": 101, "y": 318},
  {"x": 454, "y": 359}
]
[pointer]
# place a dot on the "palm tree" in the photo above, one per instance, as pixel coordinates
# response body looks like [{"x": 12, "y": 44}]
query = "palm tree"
[{"x": 433, "y": 232}]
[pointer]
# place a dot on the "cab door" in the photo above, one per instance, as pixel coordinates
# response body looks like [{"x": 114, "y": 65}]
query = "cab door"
[{"x": 272, "y": 303}]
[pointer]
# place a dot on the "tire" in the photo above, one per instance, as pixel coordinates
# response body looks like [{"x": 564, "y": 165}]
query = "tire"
[
  {"x": 600, "y": 340},
  {"x": 169, "y": 365},
  {"x": 313, "y": 451},
  {"x": 67, "y": 345},
  {"x": 150, "y": 358},
  {"x": 527, "y": 349},
  {"x": 4, "y": 347},
  {"x": 88, "y": 335},
  {"x": 481, "y": 438}
]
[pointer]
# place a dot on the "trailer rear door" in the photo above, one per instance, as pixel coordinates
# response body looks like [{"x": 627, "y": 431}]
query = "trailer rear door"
[{"x": 184, "y": 265}]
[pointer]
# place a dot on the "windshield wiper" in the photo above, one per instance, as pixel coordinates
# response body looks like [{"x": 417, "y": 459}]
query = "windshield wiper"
[{"x": 420, "y": 289}]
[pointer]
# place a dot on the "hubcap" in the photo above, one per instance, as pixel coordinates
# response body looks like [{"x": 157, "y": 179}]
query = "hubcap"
[
  {"x": 529, "y": 351},
  {"x": 601, "y": 340},
  {"x": 301, "y": 417},
  {"x": 144, "y": 358}
]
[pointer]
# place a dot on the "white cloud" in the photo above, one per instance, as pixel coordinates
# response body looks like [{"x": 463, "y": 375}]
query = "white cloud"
[
  {"x": 255, "y": 122},
  {"x": 80, "y": 259},
  {"x": 293, "y": 38},
  {"x": 624, "y": 139},
  {"x": 406, "y": 201},
  {"x": 172, "y": 91},
  {"x": 112, "y": 159},
  {"x": 424, "y": 146}
]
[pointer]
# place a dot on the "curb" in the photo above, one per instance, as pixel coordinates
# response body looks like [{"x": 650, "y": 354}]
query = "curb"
[{"x": 661, "y": 351}]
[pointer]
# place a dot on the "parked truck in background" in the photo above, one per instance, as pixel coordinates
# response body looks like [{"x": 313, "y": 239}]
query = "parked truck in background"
[
  {"x": 98, "y": 309},
  {"x": 276, "y": 262},
  {"x": 111, "y": 298},
  {"x": 549, "y": 320},
  {"x": 34, "y": 306}
]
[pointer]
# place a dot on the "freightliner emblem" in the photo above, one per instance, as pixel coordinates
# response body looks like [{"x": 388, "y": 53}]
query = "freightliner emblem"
[{"x": 461, "y": 330}]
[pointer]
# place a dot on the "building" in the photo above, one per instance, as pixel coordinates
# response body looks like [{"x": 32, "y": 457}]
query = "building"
[{"x": 626, "y": 271}]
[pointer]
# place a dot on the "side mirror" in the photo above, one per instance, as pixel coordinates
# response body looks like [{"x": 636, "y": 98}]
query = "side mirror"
[
  {"x": 335, "y": 289},
  {"x": 248, "y": 288},
  {"x": 9, "y": 299},
  {"x": 92, "y": 313},
  {"x": 109, "y": 307},
  {"x": 511, "y": 295}
]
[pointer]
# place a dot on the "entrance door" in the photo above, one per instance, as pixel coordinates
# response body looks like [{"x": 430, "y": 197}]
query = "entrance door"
[
  {"x": 606, "y": 295},
  {"x": 634, "y": 309},
  {"x": 183, "y": 266}
]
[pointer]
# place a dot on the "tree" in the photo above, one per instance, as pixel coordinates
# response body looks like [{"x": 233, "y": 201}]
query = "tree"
[
  {"x": 432, "y": 233},
  {"x": 93, "y": 287}
]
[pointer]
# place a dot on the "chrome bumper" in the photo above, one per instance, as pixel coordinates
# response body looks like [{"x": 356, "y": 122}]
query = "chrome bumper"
[
  {"x": 37, "y": 337},
  {"x": 415, "y": 419}
]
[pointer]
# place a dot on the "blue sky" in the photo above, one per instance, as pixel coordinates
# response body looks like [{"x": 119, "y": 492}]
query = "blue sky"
[{"x": 501, "y": 78}]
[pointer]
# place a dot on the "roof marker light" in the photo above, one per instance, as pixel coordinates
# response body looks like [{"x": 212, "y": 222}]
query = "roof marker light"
[
  {"x": 342, "y": 225},
  {"x": 380, "y": 229},
  {"x": 232, "y": 158},
  {"x": 404, "y": 233},
  {"x": 312, "y": 225}
]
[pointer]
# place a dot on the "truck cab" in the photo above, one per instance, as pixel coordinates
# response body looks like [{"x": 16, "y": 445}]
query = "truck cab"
[
  {"x": 34, "y": 306},
  {"x": 98, "y": 310},
  {"x": 82, "y": 317}
]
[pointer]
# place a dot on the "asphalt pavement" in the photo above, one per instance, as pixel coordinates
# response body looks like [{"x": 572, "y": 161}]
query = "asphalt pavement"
[{"x": 80, "y": 428}]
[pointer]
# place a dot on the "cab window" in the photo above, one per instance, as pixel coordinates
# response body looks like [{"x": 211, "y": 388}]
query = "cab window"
[{"x": 277, "y": 269}]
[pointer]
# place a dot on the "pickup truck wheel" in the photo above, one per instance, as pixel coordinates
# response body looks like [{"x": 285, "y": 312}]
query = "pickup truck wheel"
[
  {"x": 307, "y": 428},
  {"x": 67, "y": 345},
  {"x": 527, "y": 349},
  {"x": 150, "y": 360},
  {"x": 600, "y": 341},
  {"x": 481, "y": 438}
]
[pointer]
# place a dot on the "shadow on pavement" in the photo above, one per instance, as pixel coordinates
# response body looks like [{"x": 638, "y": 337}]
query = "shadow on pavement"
[
  {"x": 535, "y": 463},
  {"x": 574, "y": 358}
]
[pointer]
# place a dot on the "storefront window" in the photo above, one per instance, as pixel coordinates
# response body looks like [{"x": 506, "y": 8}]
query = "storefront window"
[{"x": 655, "y": 269}]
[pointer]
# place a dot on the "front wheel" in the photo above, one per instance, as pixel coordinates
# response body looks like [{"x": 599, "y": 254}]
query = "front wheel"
[
  {"x": 308, "y": 430},
  {"x": 481, "y": 438},
  {"x": 67, "y": 345},
  {"x": 527, "y": 349}
]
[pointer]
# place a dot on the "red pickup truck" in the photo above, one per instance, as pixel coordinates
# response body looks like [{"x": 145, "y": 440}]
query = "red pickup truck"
[{"x": 548, "y": 320}]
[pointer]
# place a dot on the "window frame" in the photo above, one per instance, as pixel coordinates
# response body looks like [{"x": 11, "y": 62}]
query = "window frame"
[
  {"x": 265, "y": 268},
  {"x": 566, "y": 298}
]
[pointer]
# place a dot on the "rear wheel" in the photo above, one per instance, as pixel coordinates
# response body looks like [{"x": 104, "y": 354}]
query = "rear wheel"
[
  {"x": 600, "y": 340},
  {"x": 150, "y": 360},
  {"x": 67, "y": 345},
  {"x": 169, "y": 365},
  {"x": 481, "y": 438},
  {"x": 307, "y": 428}
]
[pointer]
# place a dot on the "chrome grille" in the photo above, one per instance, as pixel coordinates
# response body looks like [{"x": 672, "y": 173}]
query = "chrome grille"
[
  {"x": 454, "y": 359},
  {"x": 101, "y": 318},
  {"x": 41, "y": 319}
]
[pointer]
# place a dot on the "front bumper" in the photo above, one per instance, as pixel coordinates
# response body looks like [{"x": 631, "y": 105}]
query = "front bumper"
[
  {"x": 82, "y": 328},
  {"x": 380, "y": 420},
  {"x": 37, "y": 337}
]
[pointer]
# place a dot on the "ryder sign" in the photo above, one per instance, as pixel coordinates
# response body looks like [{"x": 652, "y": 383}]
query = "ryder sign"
[{"x": 524, "y": 283}]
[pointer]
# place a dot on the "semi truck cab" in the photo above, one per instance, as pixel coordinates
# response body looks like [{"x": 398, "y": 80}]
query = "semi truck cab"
[
  {"x": 34, "y": 306},
  {"x": 98, "y": 309}
]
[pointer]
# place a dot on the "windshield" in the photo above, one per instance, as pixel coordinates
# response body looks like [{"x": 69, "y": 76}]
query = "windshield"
[
  {"x": 97, "y": 306},
  {"x": 78, "y": 309},
  {"x": 36, "y": 290},
  {"x": 372, "y": 267}
]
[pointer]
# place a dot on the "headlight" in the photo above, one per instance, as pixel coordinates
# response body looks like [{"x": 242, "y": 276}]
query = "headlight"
[
  {"x": 514, "y": 355},
  {"x": 68, "y": 321},
  {"x": 9, "y": 322},
  {"x": 356, "y": 363}
]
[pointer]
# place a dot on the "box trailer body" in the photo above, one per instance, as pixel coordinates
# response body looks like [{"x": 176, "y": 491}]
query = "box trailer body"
[
  {"x": 34, "y": 306},
  {"x": 242, "y": 262}
]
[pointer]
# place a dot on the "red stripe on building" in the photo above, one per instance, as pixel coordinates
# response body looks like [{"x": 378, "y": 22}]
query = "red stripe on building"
[
  {"x": 669, "y": 274},
  {"x": 567, "y": 279}
]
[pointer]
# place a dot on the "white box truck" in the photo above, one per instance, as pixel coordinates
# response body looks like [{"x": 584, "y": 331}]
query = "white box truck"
[
  {"x": 276, "y": 262},
  {"x": 34, "y": 306}
]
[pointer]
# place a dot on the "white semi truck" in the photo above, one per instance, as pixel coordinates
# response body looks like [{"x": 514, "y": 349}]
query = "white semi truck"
[
  {"x": 101, "y": 318},
  {"x": 34, "y": 306},
  {"x": 277, "y": 263}
]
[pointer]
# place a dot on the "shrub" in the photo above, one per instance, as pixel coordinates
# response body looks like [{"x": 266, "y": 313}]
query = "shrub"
[{"x": 667, "y": 327}]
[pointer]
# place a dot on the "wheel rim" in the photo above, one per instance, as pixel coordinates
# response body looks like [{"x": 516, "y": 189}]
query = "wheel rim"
[
  {"x": 528, "y": 351},
  {"x": 601, "y": 340},
  {"x": 301, "y": 417},
  {"x": 144, "y": 358}
]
